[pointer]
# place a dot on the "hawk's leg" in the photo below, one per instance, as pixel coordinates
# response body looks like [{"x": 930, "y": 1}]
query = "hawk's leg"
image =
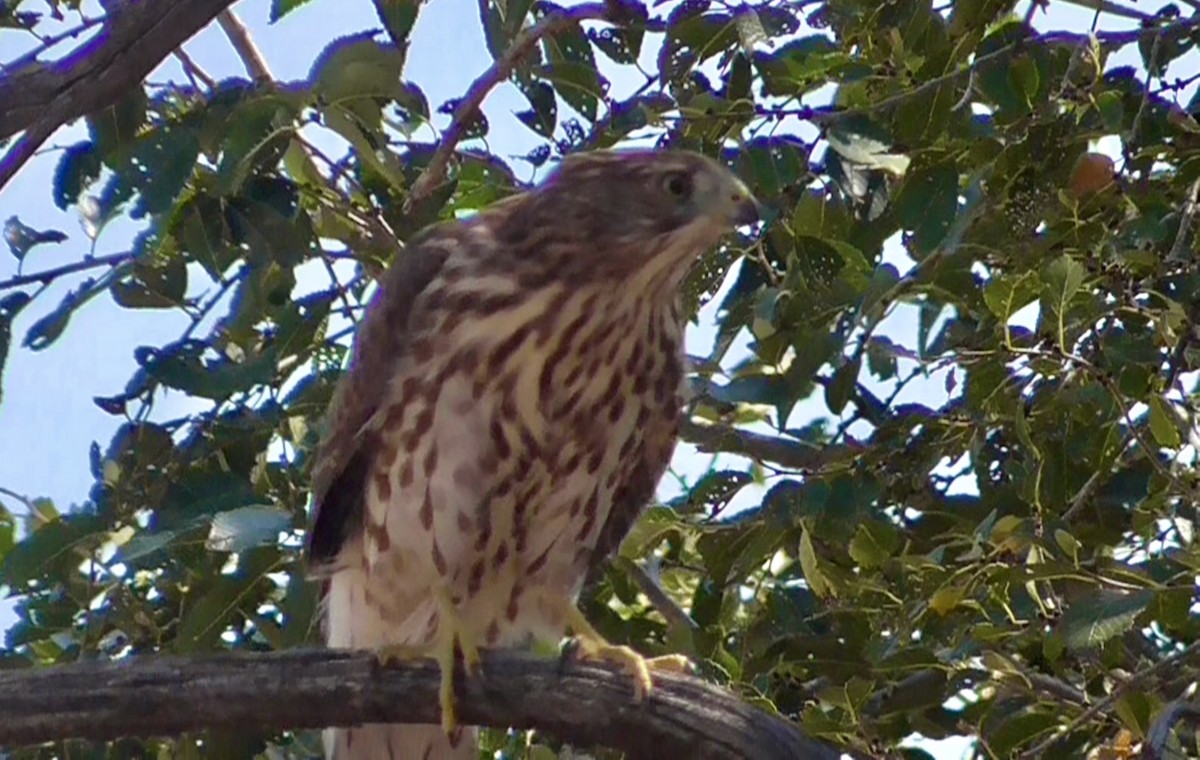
[
  {"x": 452, "y": 636},
  {"x": 594, "y": 646}
]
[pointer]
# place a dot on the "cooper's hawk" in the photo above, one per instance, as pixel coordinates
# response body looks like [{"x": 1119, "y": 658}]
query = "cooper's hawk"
[{"x": 510, "y": 405}]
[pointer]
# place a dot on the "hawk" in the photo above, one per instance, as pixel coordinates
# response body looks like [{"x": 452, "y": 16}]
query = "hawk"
[{"x": 510, "y": 404}]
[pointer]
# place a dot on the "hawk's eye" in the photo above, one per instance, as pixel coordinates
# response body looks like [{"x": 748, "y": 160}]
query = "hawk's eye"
[{"x": 678, "y": 185}]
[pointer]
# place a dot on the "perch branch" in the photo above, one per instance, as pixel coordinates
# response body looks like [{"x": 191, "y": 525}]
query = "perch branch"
[
  {"x": 581, "y": 702},
  {"x": 40, "y": 97},
  {"x": 499, "y": 71}
]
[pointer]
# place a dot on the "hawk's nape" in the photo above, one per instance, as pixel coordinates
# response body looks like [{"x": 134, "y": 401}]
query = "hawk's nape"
[{"x": 509, "y": 407}]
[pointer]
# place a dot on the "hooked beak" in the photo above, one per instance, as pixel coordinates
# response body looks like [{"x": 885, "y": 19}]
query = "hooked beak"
[{"x": 743, "y": 207}]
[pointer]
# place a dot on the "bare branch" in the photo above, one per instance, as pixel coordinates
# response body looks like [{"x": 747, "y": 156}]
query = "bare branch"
[
  {"x": 580, "y": 702},
  {"x": 243, "y": 45},
  {"x": 49, "y": 275},
  {"x": 499, "y": 71},
  {"x": 40, "y": 97}
]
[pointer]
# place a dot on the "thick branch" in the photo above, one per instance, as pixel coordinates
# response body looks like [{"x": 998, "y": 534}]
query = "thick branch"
[
  {"x": 40, "y": 97},
  {"x": 582, "y": 703}
]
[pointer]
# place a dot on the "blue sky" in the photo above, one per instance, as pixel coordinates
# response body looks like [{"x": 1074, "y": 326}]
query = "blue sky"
[{"x": 48, "y": 418}]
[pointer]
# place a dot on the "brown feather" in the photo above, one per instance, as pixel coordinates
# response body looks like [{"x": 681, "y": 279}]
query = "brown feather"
[{"x": 343, "y": 458}]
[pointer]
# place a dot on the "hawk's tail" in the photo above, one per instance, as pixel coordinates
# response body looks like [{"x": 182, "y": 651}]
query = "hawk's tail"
[{"x": 350, "y": 623}]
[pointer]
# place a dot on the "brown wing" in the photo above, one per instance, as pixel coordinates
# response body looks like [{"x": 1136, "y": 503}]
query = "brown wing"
[
  {"x": 343, "y": 458},
  {"x": 629, "y": 500}
]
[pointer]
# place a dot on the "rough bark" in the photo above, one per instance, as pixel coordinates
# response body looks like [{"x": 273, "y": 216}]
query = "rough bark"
[
  {"x": 583, "y": 703},
  {"x": 40, "y": 97}
]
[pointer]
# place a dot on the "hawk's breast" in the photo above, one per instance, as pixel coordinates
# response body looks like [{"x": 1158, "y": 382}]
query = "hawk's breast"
[{"x": 508, "y": 449}]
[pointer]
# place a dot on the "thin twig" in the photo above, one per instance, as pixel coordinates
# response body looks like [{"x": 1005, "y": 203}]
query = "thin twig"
[
  {"x": 28, "y": 502},
  {"x": 239, "y": 37},
  {"x": 193, "y": 70},
  {"x": 499, "y": 71},
  {"x": 49, "y": 275},
  {"x": 1117, "y": 692},
  {"x": 1111, "y": 8},
  {"x": 658, "y": 597},
  {"x": 48, "y": 42}
]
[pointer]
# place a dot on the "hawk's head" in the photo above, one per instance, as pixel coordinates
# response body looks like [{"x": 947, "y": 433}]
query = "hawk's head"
[{"x": 626, "y": 211}]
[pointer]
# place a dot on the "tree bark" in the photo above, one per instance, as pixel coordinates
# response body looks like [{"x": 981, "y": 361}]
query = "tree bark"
[
  {"x": 40, "y": 97},
  {"x": 583, "y": 703}
]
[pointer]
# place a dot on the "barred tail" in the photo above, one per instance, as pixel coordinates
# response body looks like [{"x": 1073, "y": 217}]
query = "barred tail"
[{"x": 350, "y": 623}]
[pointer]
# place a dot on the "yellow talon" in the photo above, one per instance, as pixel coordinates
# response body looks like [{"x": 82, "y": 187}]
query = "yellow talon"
[{"x": 594, "y": 646}]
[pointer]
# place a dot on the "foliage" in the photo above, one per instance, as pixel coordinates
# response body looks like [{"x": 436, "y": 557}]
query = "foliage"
[{"x": 996, "y": 504}]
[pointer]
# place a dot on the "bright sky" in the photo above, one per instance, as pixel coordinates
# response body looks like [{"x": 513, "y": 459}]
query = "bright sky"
[{"x": 48, "y": 419}]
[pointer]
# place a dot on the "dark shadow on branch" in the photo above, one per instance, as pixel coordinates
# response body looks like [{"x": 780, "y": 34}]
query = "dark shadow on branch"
[{"x": 582, "y": 703}]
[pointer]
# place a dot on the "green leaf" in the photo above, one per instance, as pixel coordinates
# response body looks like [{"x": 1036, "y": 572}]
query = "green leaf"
[
  {"x": 810, "y": 564},
  {"x": 114, "y": 128},
  {"x": 8, "y": 532},
  {"x": 1094, "y": 619},
  {"x": 398, "y": 17},
  {"x": 1007, "y": 294},
  {"x": 281, "y": 8},
  {"x": 542, "y": 116},
  {"x": 1025, "y": 78},
  {"x": 153, "y": 284},
  {"x": 571, "y": 65},
  {"x": 54, "y": 545},
  {"x": 1062, "y": 279},
  {"x": 165, "y": 159},
  {"x": 245, "y": 527},
  {"x": 77, "y": 169},
  {"x": 1163, "y": 424},
  {"x": 201, "y": 492},
  {"x": 203, "y": 233},
  {"x": 800, "y": 65},
  {"x": 21, "y": 237},
  {"x": 205, "y": 616},
  {"x": 183, "y": 366},
  {"x": 258, "y": 133},
  {"x": 927, "y": 204},
  {"x": 144, "y": 545},
  {"x": 840, "y": 388},
  {"x": 873, "y": 544},
  {"x": 10, "y": 306}
]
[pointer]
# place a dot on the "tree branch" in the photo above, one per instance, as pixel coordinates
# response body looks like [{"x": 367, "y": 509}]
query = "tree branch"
[
  {"x": 243, "y": 44},
  {"x": 40, "y": 97},
  {"x": 1115, "y": 694},
  {"x": 50, "y": 275},
  {"x": 764, "y": 448},
  {"x": 311, "y": 688},
  {"x": 499, "y": 71}
]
